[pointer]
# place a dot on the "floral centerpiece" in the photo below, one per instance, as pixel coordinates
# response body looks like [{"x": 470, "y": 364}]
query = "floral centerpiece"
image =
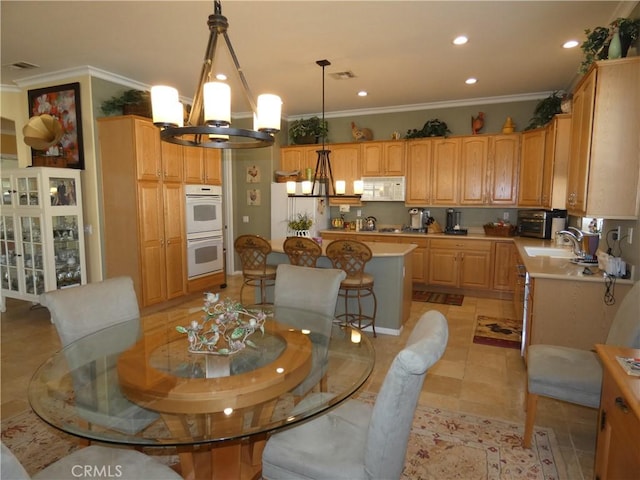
[{"x": 225, "y": 328}]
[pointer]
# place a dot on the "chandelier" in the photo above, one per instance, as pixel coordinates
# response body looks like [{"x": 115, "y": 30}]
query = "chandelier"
[
  {"x": 209, "y": 122},
  {"x": 323, "y": 176}
]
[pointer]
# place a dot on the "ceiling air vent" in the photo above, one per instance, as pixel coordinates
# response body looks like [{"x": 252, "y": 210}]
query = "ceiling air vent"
[
  {"x": 342, "y": 75},
  {"x": 22, "y": 66}
]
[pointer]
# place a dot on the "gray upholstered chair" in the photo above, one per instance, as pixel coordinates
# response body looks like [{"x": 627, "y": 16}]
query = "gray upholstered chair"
[
  {"x": 80, "y": 311},
  {"x": 119, "y": 463},
  {"x": 314, "y": 290},
  {"x": 575, "y": 375},
  {"x": 357, "y": 440}
]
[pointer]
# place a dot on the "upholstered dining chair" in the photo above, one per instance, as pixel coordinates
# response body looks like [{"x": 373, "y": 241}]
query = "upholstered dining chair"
[
  {"x": 253, "y": 251},
  {"x": 358, "y": 440},
  {"x": 80, "y": 311},
  {"x": 114, "y": 462},
  {"x": 352, "y": 257},
  {"x": 574, "y": 375},
  {"x": 312, "y": 290},
  {"x": 302, "y": 251}
]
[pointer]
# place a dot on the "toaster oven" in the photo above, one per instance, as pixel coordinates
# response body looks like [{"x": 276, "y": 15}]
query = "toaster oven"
[{"x": 538, "y": 223}]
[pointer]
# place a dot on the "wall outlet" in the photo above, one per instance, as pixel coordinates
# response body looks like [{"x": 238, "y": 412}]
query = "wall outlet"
[
  {"x": 618, "y": 233},
  {"x": 88, "y": 229},
  {"x": 629, "y": 235},
  {"x": 358, "y": 213},
  {"x": 505, "y": 215},
  {"x": 245, "y": 219}
]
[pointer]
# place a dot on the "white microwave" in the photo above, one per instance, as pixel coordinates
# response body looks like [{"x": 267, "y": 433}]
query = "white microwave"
[{"x": 383, "y": 189}]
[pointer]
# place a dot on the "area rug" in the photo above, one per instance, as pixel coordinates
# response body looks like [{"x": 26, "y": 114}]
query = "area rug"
[
  {"x": 443, "y": 445},
  {"x": 499, "y": 332},
  {"x": 434, "y": 297}
]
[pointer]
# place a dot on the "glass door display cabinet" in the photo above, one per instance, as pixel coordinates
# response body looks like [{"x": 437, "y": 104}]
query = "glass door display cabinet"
[{"x": 41, "y": 232}]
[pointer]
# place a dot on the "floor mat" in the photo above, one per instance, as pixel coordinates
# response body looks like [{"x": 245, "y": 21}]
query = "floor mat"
[
  {"x": 433, "y": 297},
  {"x": 499, "y": 332}
]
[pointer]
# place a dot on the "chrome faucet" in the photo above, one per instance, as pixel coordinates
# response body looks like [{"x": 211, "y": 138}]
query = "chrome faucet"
[{"x": 576, "y": 240}]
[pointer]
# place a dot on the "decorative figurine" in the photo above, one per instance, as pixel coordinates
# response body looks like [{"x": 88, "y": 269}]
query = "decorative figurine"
[
  {"x": 361, "y": 134},
  {"x": 509, "y": 126},
  {"x": 477, "y": 123}
]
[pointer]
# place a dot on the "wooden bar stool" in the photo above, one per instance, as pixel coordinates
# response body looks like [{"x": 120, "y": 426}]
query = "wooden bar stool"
[
  {"x": 302, "y": 251},
  {"x": 352, "y": 256},
  {"x": 253, "y": 251}
]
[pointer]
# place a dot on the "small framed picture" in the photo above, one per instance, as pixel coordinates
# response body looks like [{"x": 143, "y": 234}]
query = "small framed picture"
[
  {"x": 253, "y": 197},
  {"x": 253, "y": 174}
]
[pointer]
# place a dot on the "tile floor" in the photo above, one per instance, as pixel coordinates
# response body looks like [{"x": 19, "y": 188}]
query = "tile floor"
[{"x": 470, "y": 378}]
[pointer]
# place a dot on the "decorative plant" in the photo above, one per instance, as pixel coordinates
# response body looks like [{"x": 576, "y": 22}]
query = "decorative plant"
[
  {"x": 433, "y": 128},
  {"x": 308, "y": 127},
  {"x": 226, "y": 327},
  {"x": 545, "y": 110},
  {"x": 116, "y": 104},
  {"x": 301, "y": 222},
  {"x": 596, "y": 46}
]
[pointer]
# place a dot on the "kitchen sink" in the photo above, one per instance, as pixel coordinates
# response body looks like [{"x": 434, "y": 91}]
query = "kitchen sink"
[{"x": 549, "y": 252}]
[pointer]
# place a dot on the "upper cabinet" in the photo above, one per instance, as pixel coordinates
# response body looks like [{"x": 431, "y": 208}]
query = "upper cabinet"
[
  {"x": 604, "y": 149},
  {"x": 202, "y": 165},
  {"x": 298, "y": 157},
  {"x": 345, "y": 165},
  {"x": 532, "y": 160},
  {"x": 418, "y": 181},
  {"x": 444, "y": 168},
  {"x": 383, "y": 158}
]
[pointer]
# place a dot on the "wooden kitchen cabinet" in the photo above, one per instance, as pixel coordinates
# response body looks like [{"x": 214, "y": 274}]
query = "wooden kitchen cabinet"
[
  {"x": 444, "y": 171},
  {"x": 460, "y": 263},
  {"x": 617, "y": 452},
  {"x": 202, "y": 165},
  {"x": 418, "y": 180},
  {"x": 532, "y": 166},
  {"x": 345, "y": 165},
  {"x": 299, "y": 157},
  {"x": 143, "y": 219},
  {"x": 505, "y": 261},
  {"x": 605, "y": 153},
  {"x": 148, "y": 160},
  {"x": 474, "y": 154},
  {"x": 383, "y": 158},
  {"x": 419, "y": 259}
]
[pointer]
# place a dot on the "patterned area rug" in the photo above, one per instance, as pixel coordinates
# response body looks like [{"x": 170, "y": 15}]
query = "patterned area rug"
[
  {"x": 499, "y": 332},
  {"x": 433, "y": 297},
  {"x": 443, "y": 445}
]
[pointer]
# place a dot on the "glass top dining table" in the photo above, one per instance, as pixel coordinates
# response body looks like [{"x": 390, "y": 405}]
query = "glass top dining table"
[{"x": 136, "y": 383}]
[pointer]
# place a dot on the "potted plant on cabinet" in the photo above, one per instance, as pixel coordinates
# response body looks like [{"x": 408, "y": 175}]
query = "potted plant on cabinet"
[
  {"x": 300, "y": 225},
  {"x": 307, "y": 130},
  {"x": 129, "y": 102},
  {"x": 596, "y": 46},
  {"x": 433, "y": 128},
  {"x": 545, "y": 110}
]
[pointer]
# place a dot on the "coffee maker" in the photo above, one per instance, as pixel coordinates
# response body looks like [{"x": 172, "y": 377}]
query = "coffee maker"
[
  {"x": 417, "y": 219},
  {"x": 453, "y": 223}
]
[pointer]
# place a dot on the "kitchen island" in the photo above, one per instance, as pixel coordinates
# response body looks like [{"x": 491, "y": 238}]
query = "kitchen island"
[{"x": 391, "y": 269}]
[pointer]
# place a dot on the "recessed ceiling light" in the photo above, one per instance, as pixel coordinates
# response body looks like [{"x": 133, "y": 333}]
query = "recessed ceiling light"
[
  {"x": 362, "y": 93},
  {"x": 221, "y": 76},
  {"x": 470, "y": 81},
  {"x": 461, "y": 40},
  {"x": 570, "y": 44}
]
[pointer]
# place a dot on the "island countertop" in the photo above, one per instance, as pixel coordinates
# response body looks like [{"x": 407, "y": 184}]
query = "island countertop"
[{"x": 379, "y": 249}]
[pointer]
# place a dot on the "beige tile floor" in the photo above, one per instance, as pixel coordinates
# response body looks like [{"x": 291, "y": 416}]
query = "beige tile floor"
[{"x": 470, "y": 378}]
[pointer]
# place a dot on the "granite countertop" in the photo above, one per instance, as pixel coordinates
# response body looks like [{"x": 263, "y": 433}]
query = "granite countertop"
[{"x": 379, "y": 249}]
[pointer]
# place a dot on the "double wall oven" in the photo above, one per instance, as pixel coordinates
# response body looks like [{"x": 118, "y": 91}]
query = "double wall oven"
[{"x": 205, "y": 246}]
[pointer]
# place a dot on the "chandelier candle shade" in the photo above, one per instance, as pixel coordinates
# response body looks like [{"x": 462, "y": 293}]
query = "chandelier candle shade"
[{"x": 209, "y": 122}]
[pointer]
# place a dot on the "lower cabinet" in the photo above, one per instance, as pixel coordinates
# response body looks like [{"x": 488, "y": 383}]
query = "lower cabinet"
[
  {"x": 460, "y": 263},
  {"x": 505, "y": 260}
]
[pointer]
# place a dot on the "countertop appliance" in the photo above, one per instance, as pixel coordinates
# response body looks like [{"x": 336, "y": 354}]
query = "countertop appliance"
[
  {"x": 284, "y": 208},
  {"x": 417, "y": 218},
  {"x": 383, "y": 189},
  {"x": 453, "y": 223},
  {"x": 538, "y": 223}
]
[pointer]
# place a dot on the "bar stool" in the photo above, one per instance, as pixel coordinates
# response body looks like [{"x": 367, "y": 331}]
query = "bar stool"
[
  {"x": 352, "y": 256},
  {"x": 302, "y": 251},
  {"x": 253, "y": 251}
]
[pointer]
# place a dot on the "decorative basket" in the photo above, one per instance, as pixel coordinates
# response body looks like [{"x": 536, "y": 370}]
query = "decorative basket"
[
  {"x": 282, "y": 177},
  {"x": 500, "y": 230}
]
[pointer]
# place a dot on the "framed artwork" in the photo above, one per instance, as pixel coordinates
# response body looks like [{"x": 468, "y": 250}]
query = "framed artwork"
[
  {"x": 253, "y": 174},
  {"x": 63, "y": 103},
  {"x": 253, "y": 197}
]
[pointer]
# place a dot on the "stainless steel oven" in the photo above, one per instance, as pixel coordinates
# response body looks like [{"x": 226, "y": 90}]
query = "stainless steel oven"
[
  {"x": 205, "y": 254},
  {"x": 203, "y": 208},
  {"x": 538, "y": 223}
]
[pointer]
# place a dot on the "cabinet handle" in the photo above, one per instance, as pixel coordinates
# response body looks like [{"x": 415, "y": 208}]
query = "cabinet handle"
[{"x": 620, "y": 403}]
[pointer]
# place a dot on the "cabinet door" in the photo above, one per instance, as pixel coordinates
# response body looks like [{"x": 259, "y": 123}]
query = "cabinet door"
[
  {"x": 504, "y": 266},
  {"x": 345, "y": 165},
  {"x": 372, "y": 154},
  {"x": 172, "y": 164},
  {"x": 212, "y": 160},
  {"x": 193, "y": 164},
  {"x": 298, "y": 158},
  {"x": 532, "y": 162},
  {"x": 148, "y": 154},
  {"x": 152, "y": 259},
  {"x": 503, "y": 169},
  {"x": 418, "y": 172},
  {"x": 394, "y": 155},
  {"x": 475, "y": 269},
  {"x": 175, "y": 243},
  {"x": 473, "y": 170},
  {"x": 443, "y": 268},
  {"x": 444, "y": 186},
  {"x": 582, "y": 122}
]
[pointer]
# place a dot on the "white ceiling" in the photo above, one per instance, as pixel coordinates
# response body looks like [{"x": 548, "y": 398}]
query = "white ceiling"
[{"x": 399, "y": 51}]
